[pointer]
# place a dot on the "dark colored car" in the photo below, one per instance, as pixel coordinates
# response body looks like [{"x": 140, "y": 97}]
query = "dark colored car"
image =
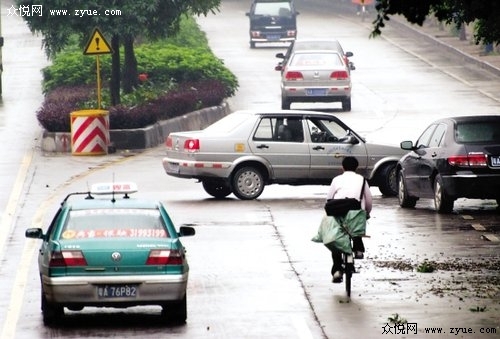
[
  {"x": 453, "y": 158},
  {"x": 272, "y": 21}
]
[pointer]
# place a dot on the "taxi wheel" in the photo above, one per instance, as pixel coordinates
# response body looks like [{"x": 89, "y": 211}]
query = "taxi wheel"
[
  {"x": 175, "y": 311},
  {"x": 248, "y": 183},
  {"x": 216, "y": 188},
  {"x": 51, "y": 312}
]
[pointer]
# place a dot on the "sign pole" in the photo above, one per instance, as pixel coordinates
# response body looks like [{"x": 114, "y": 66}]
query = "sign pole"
[{"x": 98, "y": 65}]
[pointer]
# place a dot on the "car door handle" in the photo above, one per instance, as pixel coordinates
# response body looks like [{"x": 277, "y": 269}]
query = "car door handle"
[
  {"x": 317, "y": 148},
  {"x": 263, "y": 146}
]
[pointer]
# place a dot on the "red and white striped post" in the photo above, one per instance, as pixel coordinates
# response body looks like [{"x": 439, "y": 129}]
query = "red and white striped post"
[{"x": 89, "y": 132}]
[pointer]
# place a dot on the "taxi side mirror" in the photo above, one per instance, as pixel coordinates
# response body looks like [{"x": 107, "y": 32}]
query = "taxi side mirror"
[{"x": 34, "y": 233}]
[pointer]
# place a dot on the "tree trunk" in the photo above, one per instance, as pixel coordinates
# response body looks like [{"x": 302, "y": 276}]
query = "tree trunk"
[
  {"x": 130, "y": 80},
  {"x": 114, "y": 84}
]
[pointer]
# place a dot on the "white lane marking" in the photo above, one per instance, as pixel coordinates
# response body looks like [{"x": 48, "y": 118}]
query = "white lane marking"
[
  {"x": 10, "y": 210},
  {"x": 478, "y": 227},
  {"x": 491, "y": 237}
]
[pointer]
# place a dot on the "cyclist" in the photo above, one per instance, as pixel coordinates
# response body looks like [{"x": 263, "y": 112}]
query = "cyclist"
[{"x": 348, "y": 185}]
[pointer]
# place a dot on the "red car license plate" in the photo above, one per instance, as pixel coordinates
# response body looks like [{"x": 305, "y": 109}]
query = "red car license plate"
[{"x": 117, "y": 291}]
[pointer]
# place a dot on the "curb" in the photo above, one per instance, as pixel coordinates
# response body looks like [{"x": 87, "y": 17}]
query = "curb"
[
  {"x": 141, "y": 138},
  {"x": 469, "y": 58}
]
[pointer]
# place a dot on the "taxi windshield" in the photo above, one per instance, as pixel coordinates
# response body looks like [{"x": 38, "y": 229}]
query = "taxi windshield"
[{"x": 114, "y": 223}]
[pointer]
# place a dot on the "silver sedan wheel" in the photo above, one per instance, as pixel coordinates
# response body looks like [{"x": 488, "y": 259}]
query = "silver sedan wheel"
[{"x": 248, "y": 183}]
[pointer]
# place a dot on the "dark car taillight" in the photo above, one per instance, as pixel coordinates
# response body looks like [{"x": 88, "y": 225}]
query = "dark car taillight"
[
  {"x": 292, "y": 75},
  {"x": 473, "y": 159},
  {"x": 165, "y": 257},
  {"x": 192, "y": 145},
  {"x": 67, "y": 258},
  {"x": 339, "y": 75}
]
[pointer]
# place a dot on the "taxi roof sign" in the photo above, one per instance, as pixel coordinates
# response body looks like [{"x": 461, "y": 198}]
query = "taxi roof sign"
[
  {"x": 97, "y": 44},
  {"x": 114, "y": 188}
]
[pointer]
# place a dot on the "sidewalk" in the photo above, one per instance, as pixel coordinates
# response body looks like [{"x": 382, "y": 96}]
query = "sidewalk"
[{"x": 442, "y": 35}]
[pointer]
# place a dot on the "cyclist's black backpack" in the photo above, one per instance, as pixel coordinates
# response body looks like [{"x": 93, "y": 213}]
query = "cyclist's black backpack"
[{"x": 340, "y": 207}]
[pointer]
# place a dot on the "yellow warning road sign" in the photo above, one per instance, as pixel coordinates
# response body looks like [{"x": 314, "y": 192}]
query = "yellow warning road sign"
[{"x": 97, "y": 44}]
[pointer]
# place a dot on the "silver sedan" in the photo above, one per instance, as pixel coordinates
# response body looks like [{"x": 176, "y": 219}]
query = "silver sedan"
[
  {"x": 316, "y": 76},
  {"x": 246, "y": 150}
]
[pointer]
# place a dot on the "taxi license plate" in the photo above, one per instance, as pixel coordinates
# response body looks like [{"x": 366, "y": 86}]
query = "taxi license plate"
[
  {"x": 495, "y": 161},
  {"x": 117, "y": 291},
  {"x": 316, "y": 92}
]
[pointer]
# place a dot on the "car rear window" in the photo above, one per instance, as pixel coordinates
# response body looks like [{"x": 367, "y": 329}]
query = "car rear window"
[
  {"x": 114, "y": 223},
  {"x": 228, "y": 123},
  {"x": 273, "y": 8},
  {"x": 316, "y": 59},
  {"x": 478, "y": 132}
]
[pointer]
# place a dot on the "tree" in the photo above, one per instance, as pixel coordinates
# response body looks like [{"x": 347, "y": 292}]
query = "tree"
[
  {"x": 484, "y": 14},
  {"x": 122, "y": 20}
]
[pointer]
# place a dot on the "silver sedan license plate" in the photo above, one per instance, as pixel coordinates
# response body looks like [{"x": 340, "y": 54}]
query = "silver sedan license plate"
[
  {"x": 495, "y": 161},
  {"x": 117, "y": 291},
  {"x": 316, "y": 92},
  {"x": 174, "y": 167}
]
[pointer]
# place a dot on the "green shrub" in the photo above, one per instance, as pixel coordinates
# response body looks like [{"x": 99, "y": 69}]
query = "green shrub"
[
  {"x": 55, "y": 111},
  {"x": 183, "y": 76}
]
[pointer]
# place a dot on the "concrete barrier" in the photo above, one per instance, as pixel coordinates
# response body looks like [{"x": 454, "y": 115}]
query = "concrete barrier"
[{"x": 142, "y": 138}]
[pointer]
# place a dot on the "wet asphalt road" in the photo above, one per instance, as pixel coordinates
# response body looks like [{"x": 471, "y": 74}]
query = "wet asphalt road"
[{"x": 254, "y": 271}]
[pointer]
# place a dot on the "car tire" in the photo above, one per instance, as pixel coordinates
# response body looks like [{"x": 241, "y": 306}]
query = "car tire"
[
  {"x": 175, "y": 311},
  {"x": 252, "y": 44},
  {"x": 247, "y": 183},
  {"x": 285, "y": 103},
  {"x": 442, "y": 201},
  {"x": 218, "y": 189},
  {"x": 346, "y": 104},
  {"x": 388, "y": 183},
  {"x": 51, "y": 312},
  {"x": 404, "y": 198}
]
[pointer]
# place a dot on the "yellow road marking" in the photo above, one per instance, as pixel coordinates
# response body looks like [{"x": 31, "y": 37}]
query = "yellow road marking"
[
  {"x": 19, "y": 287},
  {"x": 10, "y": 210}
]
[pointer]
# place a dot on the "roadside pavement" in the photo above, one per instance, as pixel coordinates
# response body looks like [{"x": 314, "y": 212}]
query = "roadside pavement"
[{"x": 447, "y": 37}]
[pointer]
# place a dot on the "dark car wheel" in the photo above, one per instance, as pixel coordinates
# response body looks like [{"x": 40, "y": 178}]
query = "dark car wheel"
[
  {"x": 346, "y": 105},
  {"x": 248, "y": 183},
  {"x": 388, "y": 185},
  {"x": 175, "y": 311},
  {"x": 285, "y": 103},
  {"x": 403, "y": 197},
  {"x": 442, "y": 202},
  {"x": 216, "y": 188},
  {"x": 252, "y": 44},
  {"x": 51, "y": 312}
]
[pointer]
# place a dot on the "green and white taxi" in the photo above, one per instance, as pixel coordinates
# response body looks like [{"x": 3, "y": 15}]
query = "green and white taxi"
[{"x": 110, "y": 250}]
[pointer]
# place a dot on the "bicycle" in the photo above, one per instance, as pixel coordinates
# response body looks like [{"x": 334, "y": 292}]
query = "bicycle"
[{"x": 348, "y": 269}]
